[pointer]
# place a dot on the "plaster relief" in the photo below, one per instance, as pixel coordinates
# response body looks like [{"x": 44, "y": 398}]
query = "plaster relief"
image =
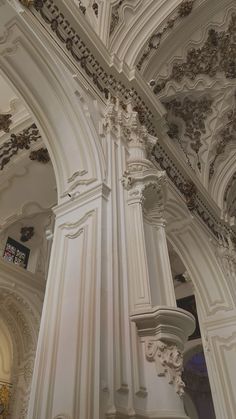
[{"x": 169, "y": 362}]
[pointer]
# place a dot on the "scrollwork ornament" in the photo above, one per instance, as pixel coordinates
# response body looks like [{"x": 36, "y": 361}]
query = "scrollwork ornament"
[
  {"x": 169, "y": 362},
  {"x": 127, "y": 180}
]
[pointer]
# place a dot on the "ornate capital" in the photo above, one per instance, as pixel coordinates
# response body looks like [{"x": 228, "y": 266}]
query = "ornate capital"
[
  {"x": 124, "y": 121},
  {"x": 169, "y": 362},
  {"x": 148, "y": 188}
]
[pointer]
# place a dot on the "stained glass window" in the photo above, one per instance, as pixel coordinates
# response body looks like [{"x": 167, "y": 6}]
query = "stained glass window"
[{"x": 16, "y": 253}]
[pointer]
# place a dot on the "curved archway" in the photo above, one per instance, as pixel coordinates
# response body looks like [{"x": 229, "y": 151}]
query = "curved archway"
[
  {"x": 20, "y": 313},
  {"x": 214, "y": 294},
  {"x": 49, "y": 92}
]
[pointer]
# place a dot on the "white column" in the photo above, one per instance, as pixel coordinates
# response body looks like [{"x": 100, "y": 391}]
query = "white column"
[
  {"x": 161, "y": 329},
  {"x": 66, "y": 377}
]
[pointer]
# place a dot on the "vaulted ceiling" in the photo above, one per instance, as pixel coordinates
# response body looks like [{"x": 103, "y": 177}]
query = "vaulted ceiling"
[{"x": 186, "y": 53}]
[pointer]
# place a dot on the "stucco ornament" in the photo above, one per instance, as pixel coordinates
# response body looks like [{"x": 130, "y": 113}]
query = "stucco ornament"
[
  {"x": 217, "y": 55},
  {"x": 142, "y": 180},
  {"x": 169, "y": 362}
]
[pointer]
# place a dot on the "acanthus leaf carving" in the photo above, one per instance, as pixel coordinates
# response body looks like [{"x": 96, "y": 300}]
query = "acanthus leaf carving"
[{"x": 168, "y": 360}]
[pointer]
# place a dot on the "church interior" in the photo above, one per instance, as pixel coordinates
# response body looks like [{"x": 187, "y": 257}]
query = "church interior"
[{"x": 118, "y": 209}]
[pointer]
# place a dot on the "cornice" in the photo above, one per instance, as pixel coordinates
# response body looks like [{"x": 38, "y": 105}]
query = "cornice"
[{"x": 75, "y": 38}]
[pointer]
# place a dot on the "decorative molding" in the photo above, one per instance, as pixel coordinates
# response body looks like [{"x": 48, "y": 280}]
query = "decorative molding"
[
  {"x": 217, "y": 55},
  {"x": 53, "y": 18},
  {"x": 115, "y": 16},
  {"x": 227, "y": 134},
  {"x": 17, "y": 142},
  {"x": 5, "y": 122},
  {"x": 143, "y": 181},
  {"x": 168, "y": 360},
  {"x": 105, "y": 83},
  {"x": 184, "y": 10},
  {"x": 188, "y": 191},
  {"x": 41, "y": 155}
]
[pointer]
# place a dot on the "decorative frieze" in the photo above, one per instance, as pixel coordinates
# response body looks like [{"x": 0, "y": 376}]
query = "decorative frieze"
[
  {"x": 41, "y": 155},
  {"x": 5, "y": 122},
  {"x": 20, "y": 141},
  {"x": 105, "y": 83},
  {"x": 168, "y": 360},
  {"x": 154, "y": 42},
  {"x": 217, "y": 55}
]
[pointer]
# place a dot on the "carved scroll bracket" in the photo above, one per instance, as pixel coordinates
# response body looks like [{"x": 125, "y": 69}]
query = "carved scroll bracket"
[
  {"x": 168, "y": 360},
  {"x": 164, "y": 331}
]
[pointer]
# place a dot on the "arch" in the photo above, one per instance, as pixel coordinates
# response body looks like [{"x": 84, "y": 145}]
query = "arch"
[
  {"x": 21, "y": 315},
  {"x": 187, "y": 237},
  {"x": 48, "y": 90},
  {"x": 224, "y": 174}
]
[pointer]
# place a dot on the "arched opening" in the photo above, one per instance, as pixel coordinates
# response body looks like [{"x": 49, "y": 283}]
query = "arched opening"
[
  {"x": 48, "y": 100},
  {"x": 198, "y": 397},
  {"x": 28, "y": 192}
]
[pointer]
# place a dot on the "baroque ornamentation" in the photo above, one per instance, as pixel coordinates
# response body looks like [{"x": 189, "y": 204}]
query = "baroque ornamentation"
[
  {"x": 106, "y": 83},
  {"x": 5, "y": 122},
  {"x": 26, "y": 233},
  {"x": 187, "y": 190},
  {"x": 95, "y": 8},
  {"x": 20, "y": 141},
  {"x": 169, "y": 362},
  {"x": 55, "y": 21},
  {"x": 115, "y": 17},
  {"x": 227, "y": 135},
  {"x": 82, "y": 7},
  {"x": 154, "y": 42},
  {"x": 194, "y": 114},
  {"x": 41, "y": 155},
  {"x": 217, "y": 55}
]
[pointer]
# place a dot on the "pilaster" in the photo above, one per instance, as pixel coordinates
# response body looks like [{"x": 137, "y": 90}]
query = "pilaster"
[{"x": 66, "y": 376}]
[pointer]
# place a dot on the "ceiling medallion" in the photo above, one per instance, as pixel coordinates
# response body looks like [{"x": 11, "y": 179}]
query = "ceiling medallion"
[
  {"x": 154, "y": 42},
  {"x": 41, "y": 155},
  {"x": 5, "y": 122},
  {"x": 26, "y": 233},
  {"x": 217, "y": 55},
  {"x": 20, "y": 141}
]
